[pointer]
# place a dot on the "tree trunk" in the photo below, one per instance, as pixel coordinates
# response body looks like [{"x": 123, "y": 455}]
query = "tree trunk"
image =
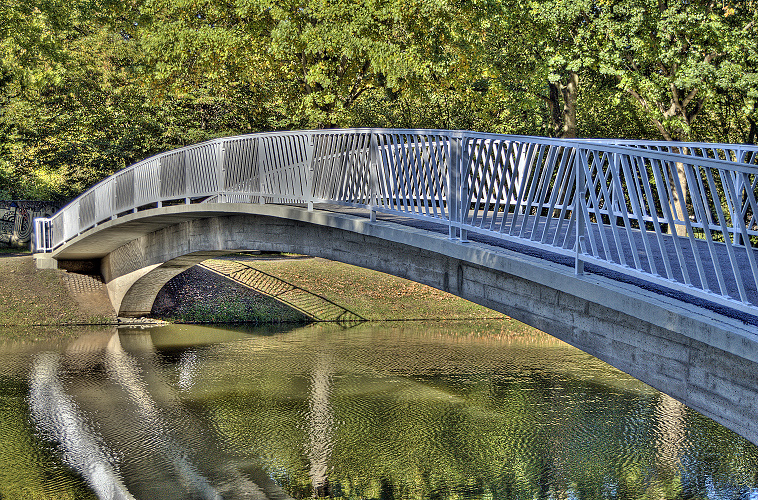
[
  {"x": 563, "y": 115},
  {"x": 570, "y": 91},
  {"x": 554, "y": 105},
  {"x": 678, "y": 206}
]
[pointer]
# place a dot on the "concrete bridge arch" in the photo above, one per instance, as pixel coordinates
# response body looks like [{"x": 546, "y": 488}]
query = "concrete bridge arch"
[{"x": 699, "y": 357}]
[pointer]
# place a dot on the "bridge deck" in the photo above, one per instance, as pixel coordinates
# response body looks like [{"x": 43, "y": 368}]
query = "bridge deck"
[{"x": 668, "y": 241}]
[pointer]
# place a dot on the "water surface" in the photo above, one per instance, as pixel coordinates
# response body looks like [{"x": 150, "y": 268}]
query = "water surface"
[{"x": 412, "y": 410}]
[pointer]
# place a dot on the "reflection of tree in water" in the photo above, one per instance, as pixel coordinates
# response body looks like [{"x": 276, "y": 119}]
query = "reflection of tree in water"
[
  {"x": 541, "y": 438},
  {"x": 320, "y": 425},
  {"x": 362, "y": 417}
]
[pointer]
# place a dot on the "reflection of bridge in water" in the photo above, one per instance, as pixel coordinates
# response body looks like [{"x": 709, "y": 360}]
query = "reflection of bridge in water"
[{"x": 586, "y": 240}]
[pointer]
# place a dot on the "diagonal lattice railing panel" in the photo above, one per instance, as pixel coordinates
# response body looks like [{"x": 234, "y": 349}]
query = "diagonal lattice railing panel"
[{"x": 681, "y": 216}]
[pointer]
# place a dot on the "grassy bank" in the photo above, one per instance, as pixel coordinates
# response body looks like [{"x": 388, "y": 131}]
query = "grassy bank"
[
  {"x": 370, "y": 294},
  {"x": 31, "y": 297}
]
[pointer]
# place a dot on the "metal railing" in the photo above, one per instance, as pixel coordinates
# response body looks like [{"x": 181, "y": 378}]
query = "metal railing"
[{"x": 610, "y": 203}]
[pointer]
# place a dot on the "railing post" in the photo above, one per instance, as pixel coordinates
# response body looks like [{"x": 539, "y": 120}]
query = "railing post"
[
  {"x": 454, "y": 185},
  {"x": 581, "y": 223},
  {"x": 221, "y": 171},
  {"x": 373, "y": 167},
  {"x": 187, "y": 198},
  {"x": 738, "y": 187},
  {"x": 39, "y": 242},
  {"x": 261, "y": 178},
  {"x": 309, "y": 149},
  {"x": 464, "y": 196},
  {"x": 159, "y": 182}
]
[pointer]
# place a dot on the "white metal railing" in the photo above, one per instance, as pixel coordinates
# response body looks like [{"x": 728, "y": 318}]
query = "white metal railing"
[{"x": 609, "y": 203}]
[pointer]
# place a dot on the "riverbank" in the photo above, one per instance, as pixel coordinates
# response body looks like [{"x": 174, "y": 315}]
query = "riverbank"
[
  {"x": 30, "y": 297},
  {"x": 39, "y": 297}
]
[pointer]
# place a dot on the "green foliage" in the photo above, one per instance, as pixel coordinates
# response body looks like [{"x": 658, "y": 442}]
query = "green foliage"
[
  {"x": 88, "y": 87},
  {"x": 236, "y": 310},
  {"x": 674, "y": 57}
]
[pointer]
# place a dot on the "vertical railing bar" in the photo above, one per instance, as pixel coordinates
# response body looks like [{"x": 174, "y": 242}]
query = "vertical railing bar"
[
  {"x": 588, "y": 233},
  {"x": 699, "y": 203},
  {"x": 736, "y": 272},
  {"x": 482, "y": 152},
  {"x": 343, "y": 177},
  {"x": 373, "y": 173},
  {"x": 750, "y": 201},
  {"x": 666, "y": 208},
  {"x": 558, "y": 188},
  {"x": 368, "y": 154},
  {"x": 544, "y": 188},
  {"x": 454, "y": 174},
  {"x": 399, "y": 171},
  {"x": 338, "y": 167},
  {"x": 360, "y": 160},
  {"x": 603, "y": 181},
  {"x": 473, "y": 146},
  {"x": 596, "y": 204},
  {"x": 579, "y": 214},
  {"x": 618, "y": 187},
  {"x": 486, "y": 179},
  {"x": 624, "y": 165},
  {"x": 748, "y": 245},
  {"x": 568, "y": 185},
  {"x": 411, "y": 152},
  {"x": 331, "y": 167},
  {"x": 440, "y": 172},
  {"x": 493, "y": 151},
  {"x": 535, "y": 178},
  {"x": 436, "y": 190},
  {"x": 422, "y": 151},
  {"x": 501, "y": 165},
  {"x": 687, "y": 224},
  {"x": 279, "y": 171},
  {"x": 405, "y": 173},
  {"x": 352, "y": 174},
  {"x": 517, "y": 205},
  {"x": 417, "y": 170},
  {"x": 393, "y": 173},
  {"x": 513, "y": 159},
  {"x": 462, "y": 162},
  {"x": 642, "y": 168},
  {"x": 392, "y": 170},
  {"x": 429, "y": 180},
  {"x": 435, "y": 186},
  {"x": 385, "y": 181}
]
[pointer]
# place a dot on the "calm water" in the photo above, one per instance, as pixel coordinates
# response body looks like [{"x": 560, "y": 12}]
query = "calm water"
[{"x": 420, "y": 410}]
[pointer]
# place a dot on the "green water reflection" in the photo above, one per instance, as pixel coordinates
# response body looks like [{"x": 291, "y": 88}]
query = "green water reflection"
[{"x": 415, "y": 410}]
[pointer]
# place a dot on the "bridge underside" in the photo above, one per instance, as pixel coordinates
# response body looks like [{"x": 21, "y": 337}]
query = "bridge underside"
[{"x": 702, "y": 359}]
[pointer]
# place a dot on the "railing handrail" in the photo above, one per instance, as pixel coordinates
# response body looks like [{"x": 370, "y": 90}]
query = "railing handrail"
[
  {"x": 517, "y": 188},
  {"x": 609, "y": 143}
]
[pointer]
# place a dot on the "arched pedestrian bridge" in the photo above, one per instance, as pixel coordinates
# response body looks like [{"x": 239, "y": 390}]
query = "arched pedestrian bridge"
[{"x": 587, "y": 240}]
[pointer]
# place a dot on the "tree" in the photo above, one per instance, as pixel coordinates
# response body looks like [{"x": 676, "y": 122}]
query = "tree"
[{"x": 672, "y": 57}]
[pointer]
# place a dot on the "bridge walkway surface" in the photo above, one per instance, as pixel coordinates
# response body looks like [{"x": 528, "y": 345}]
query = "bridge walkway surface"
[{"x": 560, "y": 233}]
